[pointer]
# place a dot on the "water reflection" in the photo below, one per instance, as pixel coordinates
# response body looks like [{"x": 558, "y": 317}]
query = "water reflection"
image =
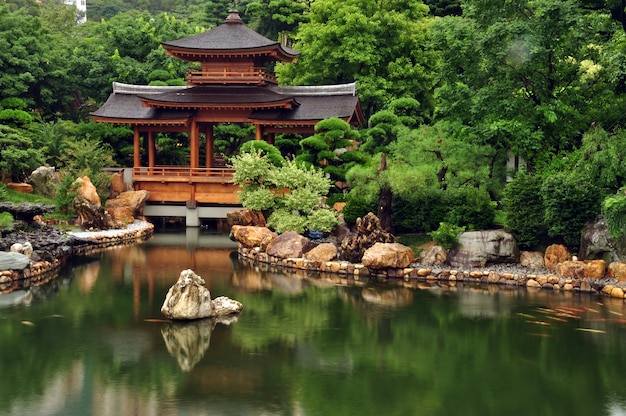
[{"x": 303, "y": 345}]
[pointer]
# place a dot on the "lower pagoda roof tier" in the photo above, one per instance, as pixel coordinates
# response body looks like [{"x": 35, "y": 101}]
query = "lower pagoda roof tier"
[{"x": 271, "y": 105}]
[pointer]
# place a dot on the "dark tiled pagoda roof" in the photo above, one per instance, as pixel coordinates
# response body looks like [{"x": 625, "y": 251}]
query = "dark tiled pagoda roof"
[
  {"x": 220, "y": 96},
  {"x": 231, "y": 37},
  {"x": 315, "y": 104},
  {"x": 269, "y": 105},
  {"x": 125, "y": 105}
]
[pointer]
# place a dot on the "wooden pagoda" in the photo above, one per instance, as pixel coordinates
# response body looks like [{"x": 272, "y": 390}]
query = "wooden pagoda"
[{"x": 233, "y": 85}]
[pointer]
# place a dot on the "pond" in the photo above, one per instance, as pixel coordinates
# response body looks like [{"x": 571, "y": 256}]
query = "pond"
[{"x": 94, "y": 342}]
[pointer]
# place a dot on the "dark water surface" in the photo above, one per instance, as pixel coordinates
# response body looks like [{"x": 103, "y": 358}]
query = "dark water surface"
[{"x": 94, "y": 343}]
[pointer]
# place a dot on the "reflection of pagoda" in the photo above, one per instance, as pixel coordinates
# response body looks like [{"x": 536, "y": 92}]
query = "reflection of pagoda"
[{"x": 234, "y": 84}]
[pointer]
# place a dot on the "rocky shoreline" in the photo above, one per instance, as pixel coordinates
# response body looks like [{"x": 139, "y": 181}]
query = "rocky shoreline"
[
  {"x": 416, "y": 274},
  {"x": 52, "y": 247}
]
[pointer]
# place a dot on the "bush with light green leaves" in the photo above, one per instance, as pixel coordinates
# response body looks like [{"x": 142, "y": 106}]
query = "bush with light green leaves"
[{"x": 291, "y": 195}]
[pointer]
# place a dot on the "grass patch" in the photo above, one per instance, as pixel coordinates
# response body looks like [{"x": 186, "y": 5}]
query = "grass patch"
[{"x": 18, "y": 197}]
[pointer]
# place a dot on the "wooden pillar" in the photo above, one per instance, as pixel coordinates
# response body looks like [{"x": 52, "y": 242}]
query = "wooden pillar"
[
  {"x": 136, "y": 148},
  {"x": 259, "y": 132},
  {"x": 194, "y": 144},
  {"x": 210, "y": 138},
  {"x": 151, "y": 150},
  {"x": 271, "y": 137}
]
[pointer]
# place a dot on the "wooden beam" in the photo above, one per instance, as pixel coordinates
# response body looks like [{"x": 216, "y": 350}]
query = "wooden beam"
[
  {"x": 210, "y": 138},
  {"x": 194, "y": 144},
  {"x": 151, "y": 149},
  {"x": 136, "y": 148}
]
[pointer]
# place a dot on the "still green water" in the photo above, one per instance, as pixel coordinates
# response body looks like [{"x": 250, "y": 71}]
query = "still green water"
[{"x": 94, "y": 343}]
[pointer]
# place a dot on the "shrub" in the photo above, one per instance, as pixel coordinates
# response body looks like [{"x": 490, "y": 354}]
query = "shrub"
[
  {"x": 358, "y": 205},
  {"x": 4, "y": 193},
  {"x": 614, "y": 210},
  {"x": 6, "y": 221},
  {"x": 471, "y": 208},
  {"x": 291, "y": 194},
  {"x": 447, "y": 235},
  {"x": 420, "y": 212},
  {"x": 570, "y": 200},
  {"x": 523, "y": 210}
]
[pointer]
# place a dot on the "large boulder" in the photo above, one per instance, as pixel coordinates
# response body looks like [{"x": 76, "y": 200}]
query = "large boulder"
[
  {"x": 117, "y": 184},
  {"x": 133, "y": 201},
  {"x": 617, "y": 270},
  {"x": 596, "y": 242},
  {"x": 246, "y": 217},
  {"x": 87, "y": 190},
  {"x": 479, "y": 248},
  {"x": 44, "y": 181},
  {"x": 289, "y": 245},
  {"x": 555, "y": 254},
  {"x": 368, "y": 232},
  {"x": 387, "y": 256},
  {"x": 189, "y": 299},
  {"x": 13, "y": 261},
  {"x": 532, "y": 259},
  {"x": 322, "y": 253},
  {"x": 252, "y": 237},
  {"x": 590, "y": 269},
  {"x": 433, "y": 256},
  {"x": 90, "y": 215}
]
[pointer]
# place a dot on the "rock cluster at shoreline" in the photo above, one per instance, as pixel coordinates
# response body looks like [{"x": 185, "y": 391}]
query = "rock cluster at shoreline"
[
  {"x": 53, "y": 247},
  {"x": 477, "y": 261}
]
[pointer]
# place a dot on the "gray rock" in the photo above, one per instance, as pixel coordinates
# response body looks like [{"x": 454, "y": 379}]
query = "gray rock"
[
  {"x": 44, "y": 181},
  {"x": 597, "y": 243},
  {"x": 289, "y": 245},
  {"x": 189, "y": 299},
  {"x": 13, "y": 261},
  {"x": 477, "y": 248}
]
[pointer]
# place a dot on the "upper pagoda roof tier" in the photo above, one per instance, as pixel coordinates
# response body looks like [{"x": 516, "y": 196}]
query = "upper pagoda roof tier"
[{"x": 232, "y": 38}]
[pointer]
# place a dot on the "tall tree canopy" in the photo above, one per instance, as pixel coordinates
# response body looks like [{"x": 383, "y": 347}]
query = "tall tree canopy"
[
  {"x": 383, "y": 46},
  {"x": 527, "y": 76}
]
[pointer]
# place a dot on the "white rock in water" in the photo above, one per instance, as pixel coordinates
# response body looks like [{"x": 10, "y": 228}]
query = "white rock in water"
[{"x": 189, "y": 299}]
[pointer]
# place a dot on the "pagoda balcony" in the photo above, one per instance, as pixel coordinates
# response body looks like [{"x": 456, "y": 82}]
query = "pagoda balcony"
[
  {"x": 183, "y": 184},
  {"x": 257, "y": 76}
]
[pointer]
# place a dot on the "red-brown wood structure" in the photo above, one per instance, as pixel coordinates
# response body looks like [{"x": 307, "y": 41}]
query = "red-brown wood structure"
[{"x": 233, "y": 85}]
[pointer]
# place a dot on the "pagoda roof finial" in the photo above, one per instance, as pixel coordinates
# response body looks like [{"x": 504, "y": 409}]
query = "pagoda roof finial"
[{"x": 233, "y": 14}]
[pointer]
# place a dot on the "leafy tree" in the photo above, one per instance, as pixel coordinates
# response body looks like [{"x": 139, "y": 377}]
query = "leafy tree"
[
  {"x": 18, "y": 156},
  {"x": 523, "y": 210},
  {"x": 525, "y": 76},
  {"x": 383, "y": 46},
  {"x": 273, "y": 18},
  {"x": 332, "y": 149},
  {"x": 31, "y": 65},
  {"x": 570, "y": 200}
]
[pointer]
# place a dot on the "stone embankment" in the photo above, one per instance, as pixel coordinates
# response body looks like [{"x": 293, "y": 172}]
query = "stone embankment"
[
  {"x": 51, "y": 248},
  {"x": 487, "y": 257},
  {"x": 414, "y": 274}
]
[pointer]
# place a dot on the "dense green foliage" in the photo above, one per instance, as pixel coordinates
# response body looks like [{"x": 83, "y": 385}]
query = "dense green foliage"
[
  {"x": 291, "y": 193},
  {"x": 451, "y": 91}
]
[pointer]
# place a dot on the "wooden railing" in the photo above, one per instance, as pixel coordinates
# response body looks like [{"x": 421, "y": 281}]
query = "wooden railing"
[
  {"x": 182, "y": 173},
  {"x": 230, "y": 77}
]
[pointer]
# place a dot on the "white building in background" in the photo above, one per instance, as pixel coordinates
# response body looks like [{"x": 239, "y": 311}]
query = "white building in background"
[{"x": 81, "y": 9}]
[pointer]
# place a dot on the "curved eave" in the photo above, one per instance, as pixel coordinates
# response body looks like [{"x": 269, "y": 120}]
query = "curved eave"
[
  {"x": 287, "y": 105},
  {"x": 142, "y": 122},
  {"x": 197, "y": 55}
]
